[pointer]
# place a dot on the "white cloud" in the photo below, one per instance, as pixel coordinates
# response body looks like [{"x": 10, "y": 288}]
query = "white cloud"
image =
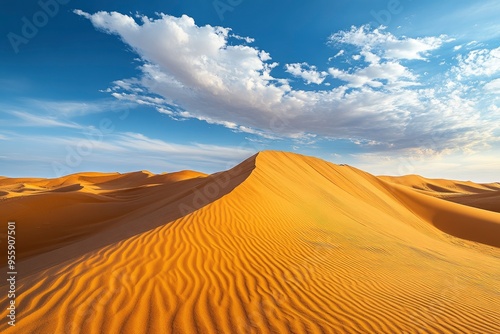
[
  {"x": 494, "y": 110},
  {"x": 143, "y": 99},
  {"x": 340, "y": 53},
  {"x": 192, "y": 71},
  {"x": 241, "y": 38},
  {"x": 386, "y": 44},
  {"x": 493, "y": 86},
  {"x": 307, "y": 72},
  {"x": 374, "y": 75},
  {"x": 481, "y": 62}
]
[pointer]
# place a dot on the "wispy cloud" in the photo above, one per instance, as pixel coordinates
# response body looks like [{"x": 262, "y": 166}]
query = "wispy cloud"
[
  {"x": 477, "y": 20},
  {"x": 78, "y": 108},
  {"x": 129, "y": 151},
  {"x": 28, "y": 119},
  {"x": 195, "y": 151}
]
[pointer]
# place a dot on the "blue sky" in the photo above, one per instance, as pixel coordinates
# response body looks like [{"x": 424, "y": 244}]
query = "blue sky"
[{"x": 391, "y": 87}]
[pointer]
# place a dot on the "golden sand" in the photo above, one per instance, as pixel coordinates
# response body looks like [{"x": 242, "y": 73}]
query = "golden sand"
[{"x": 282, "y": 243}]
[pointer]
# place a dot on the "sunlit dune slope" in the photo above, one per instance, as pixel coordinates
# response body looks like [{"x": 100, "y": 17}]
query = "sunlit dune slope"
[{"x": 286, "y": 244}]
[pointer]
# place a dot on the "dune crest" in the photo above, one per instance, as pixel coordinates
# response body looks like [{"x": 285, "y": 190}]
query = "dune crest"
[{"x": 281, "y": 243}]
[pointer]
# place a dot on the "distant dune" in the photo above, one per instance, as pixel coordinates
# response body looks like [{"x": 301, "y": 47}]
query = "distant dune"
[
  {"x": 282, "y": 243},
  {"x": 487, "y": 201},
  {"x": 482, "y": 196}
]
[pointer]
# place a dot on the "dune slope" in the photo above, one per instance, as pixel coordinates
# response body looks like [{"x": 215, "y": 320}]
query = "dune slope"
[
  {"x": 293, "y": 245},
  {"x": 58, "y": 212}
]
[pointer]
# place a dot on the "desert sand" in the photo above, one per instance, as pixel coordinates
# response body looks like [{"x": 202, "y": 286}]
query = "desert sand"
[
  {"x": 482, "y": 196},
  {"x": 282, "y": 243}
]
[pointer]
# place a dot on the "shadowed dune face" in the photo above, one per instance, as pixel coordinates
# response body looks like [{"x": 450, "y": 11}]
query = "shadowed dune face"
[
  {"x": 290, "y": 244},
  {"x": 458, "y": 220},
  {"x": 487, "y": 201}
]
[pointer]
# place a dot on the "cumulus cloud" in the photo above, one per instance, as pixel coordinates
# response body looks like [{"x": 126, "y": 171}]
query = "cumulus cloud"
[
  {"x": 307, "y": 72},
  {"x": 191, "y": 71}
]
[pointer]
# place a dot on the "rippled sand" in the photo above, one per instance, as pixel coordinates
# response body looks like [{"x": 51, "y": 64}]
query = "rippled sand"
[{"x": 282, "y": 243}]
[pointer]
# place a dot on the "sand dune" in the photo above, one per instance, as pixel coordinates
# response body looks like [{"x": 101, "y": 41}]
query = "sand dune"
[
  {"x": 458, "y": 220},
  {"x": 483, "y": 196},
  {"x": 61, "y": 213},
  {"x": 487, "y": 201},
  {"x": 441, "y": 187},
  {"x": 282, "y": 243}
]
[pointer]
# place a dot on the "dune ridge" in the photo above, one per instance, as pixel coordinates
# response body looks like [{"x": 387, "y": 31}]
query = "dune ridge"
[
  {"x": 128, "y": 203},
  {"x": 289, "y": 244}
]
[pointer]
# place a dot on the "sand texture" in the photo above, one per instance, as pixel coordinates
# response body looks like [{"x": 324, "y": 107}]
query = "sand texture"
[{"x": 282, "y": 243}]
